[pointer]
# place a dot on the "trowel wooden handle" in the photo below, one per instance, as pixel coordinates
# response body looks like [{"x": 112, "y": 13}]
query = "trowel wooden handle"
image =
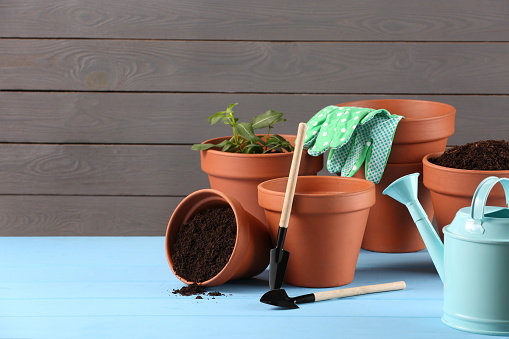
[
  {"x": 292, "y": 177},
  {"x": 353, "y": 291}
]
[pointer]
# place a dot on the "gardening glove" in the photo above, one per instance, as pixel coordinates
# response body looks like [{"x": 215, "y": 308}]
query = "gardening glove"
[{"x": 355, "y": 136}]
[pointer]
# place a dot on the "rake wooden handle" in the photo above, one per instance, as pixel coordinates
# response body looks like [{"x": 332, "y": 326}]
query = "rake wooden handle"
[
  {"x": 353, "y": 291},
  {"x": 292, "y": 177}
]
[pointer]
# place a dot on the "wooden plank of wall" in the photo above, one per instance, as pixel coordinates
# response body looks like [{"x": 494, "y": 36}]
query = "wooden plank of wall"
[
  {"x": 80, "y": 215},
  {"x": 99, "y": 170},
  {"x": 80, "y": 160},
  {"x": 326, "y": 20},
  {"x": 178, "y": 118},
  {"x": 260, "y": 67}
]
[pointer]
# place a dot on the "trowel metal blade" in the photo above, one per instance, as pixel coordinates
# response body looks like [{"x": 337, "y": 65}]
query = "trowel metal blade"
[
  {"x": 278, "y": 298},
  {"x": 277, "y": 267}
]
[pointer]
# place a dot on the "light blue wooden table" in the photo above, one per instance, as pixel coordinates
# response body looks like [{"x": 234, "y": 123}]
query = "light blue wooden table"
[{"x": 116, "y": 287}]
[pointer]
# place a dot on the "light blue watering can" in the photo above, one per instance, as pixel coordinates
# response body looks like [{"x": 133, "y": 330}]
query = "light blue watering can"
[{"x": 473, "y": 262}]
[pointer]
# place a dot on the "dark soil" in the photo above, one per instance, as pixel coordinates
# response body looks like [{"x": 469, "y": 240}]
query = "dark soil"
[
  {"x": 204, "y": 245},
  {"x": 490, "y": 155},
  {"x": 215, "y": 294},
  {"x": 192, "y": 289},
  {"x": 195, "y": 289}
]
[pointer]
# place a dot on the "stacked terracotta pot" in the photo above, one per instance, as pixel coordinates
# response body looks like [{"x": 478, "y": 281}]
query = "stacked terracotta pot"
[{"x": 425, "y": 129}]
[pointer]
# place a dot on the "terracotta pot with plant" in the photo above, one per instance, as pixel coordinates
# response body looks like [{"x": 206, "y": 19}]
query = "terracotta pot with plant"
[
  {"x": 453, "y": 176},
  {"x": 237, "y": 164}
]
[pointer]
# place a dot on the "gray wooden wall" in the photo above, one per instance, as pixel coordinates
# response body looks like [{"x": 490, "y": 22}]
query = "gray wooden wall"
[{"x": 100, "y": 100}]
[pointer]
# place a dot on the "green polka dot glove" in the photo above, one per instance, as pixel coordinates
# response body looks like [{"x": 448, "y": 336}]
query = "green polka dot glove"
[{"x": 355, "y": 136}]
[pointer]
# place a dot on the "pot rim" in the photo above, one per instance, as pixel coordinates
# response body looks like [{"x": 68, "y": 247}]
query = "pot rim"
[
  {"x": 219, "y": 278},
  {"x": 452, "y": 109},
  {"x": 451, "y": 170},
  {"x": 371, "y": 186}
]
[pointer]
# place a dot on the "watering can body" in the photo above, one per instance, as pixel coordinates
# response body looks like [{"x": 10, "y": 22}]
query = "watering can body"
[
  {"x": 476, "y": 279},
  {"x": 474, "y": 260}
]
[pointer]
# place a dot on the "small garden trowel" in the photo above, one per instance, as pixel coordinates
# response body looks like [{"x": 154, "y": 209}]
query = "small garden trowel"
[
  {"x": 278, "y": 256},
  {"x": 281, "y": 299}
]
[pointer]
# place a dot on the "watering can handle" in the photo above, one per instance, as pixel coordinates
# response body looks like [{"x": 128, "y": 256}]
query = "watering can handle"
[{"x": 481, "y": 196}]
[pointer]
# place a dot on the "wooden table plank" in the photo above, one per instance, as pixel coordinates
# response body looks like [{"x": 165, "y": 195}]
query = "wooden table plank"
[
  {"x": 227, "y": 327},
  {"x": 119, "y": 287}
]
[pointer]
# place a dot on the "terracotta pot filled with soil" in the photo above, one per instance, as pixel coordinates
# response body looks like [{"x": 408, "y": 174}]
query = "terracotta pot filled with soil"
[
  {"x": 453, "y": 176},
  {"x": 238, "y": 174},
  {"x": 211, "y": 239},
  {"x": 426, "y": 127},
  {"x": 326, "y": 226}
]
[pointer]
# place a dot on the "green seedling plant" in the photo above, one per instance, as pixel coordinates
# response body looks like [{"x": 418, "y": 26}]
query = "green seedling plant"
[{"x": 244, "y": 139}]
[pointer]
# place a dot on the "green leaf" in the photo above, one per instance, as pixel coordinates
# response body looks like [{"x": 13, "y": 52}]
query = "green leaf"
[
  {"x": 277, "y": 136},
  {"x": 287, "y": 146},
  {"x": 230, "y": 108},
  {"x": 204, "y": 147},
  {"x": 266, "y": 119},
  {"x": 246, "y": 131},
  {"x": 253, "y": 148},
  {"x": 228, "y": 147},
  {"x": 215, "y": 117}
]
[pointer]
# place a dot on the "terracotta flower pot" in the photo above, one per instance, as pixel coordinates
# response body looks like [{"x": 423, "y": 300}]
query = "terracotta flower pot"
[
  {"x": 326, "y": 226},
  {"x": 425, "y": 129},
  {"x": 452, "y": 189},
  {"x": 250, "y": 255},
  {"x": 390, "y": 227},
  {"x": 239, "y": 174}
]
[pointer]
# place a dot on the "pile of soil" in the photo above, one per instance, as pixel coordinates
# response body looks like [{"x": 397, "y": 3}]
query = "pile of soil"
[
  {"x": 490, "y": 155},
  {"x": 195, "y": 289},
  {"x": 204, "y": 245},
  {"x": 189, "y": 290}
]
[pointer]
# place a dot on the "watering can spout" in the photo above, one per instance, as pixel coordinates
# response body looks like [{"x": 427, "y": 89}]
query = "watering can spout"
[{"x": 404, "y": 190}]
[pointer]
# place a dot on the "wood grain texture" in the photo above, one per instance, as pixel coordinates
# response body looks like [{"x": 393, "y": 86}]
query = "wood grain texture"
[
  {"x": 260, "y": 67},
  {"x": 85, "y": 216},
  {"x": 100, "y": 101},
  {"x": 100, "y": 170},
  {"x": 330, "y": 20},
  {"x": 173, "y": 118}
]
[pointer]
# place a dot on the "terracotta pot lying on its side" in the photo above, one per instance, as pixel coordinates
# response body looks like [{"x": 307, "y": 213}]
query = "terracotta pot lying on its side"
[
  {"x": 452, "y": 189},
  {"x": 425, "y": 129},
  {"x": 250, "y": 255},
  {"x": 325, "y": 229},
  {"x": 239, "y": 174}
]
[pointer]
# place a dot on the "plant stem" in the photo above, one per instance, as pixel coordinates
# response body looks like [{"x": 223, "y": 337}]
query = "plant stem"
[
  {"x": 270, "y": 149},
  {"x": 267, "y": 138}
]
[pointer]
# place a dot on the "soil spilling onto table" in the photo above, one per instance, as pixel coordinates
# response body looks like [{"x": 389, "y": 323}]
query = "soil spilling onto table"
[
  {"x": 195, "y": 289},
  {"x": 192, "y": 289},
  {"x": 204, "y": 245},
  {"x": 490, "y": 155}
]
